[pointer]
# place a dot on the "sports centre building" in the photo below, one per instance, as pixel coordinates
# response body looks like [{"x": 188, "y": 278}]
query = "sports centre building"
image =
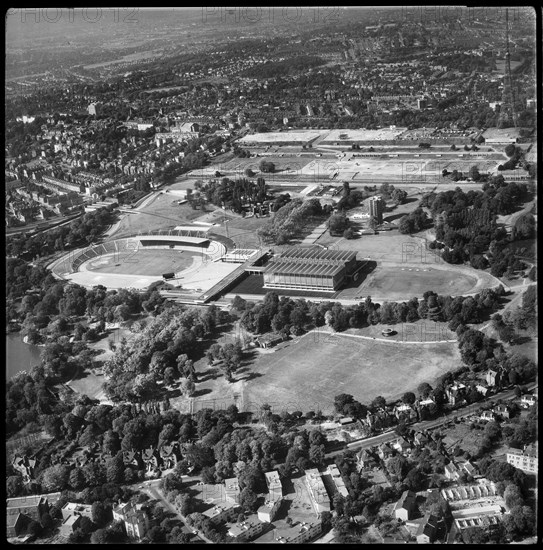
[{"x": 310, "y": 269}]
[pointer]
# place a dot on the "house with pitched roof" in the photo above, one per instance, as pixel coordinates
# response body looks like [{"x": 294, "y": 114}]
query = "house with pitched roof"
[
  {"x": 151, "y": 460},
  {"x": 426, "y": 533},
  {"x": 25, "y": 466},
  {"x": 366, "y": 460},
  {"x": 385, "y": 451},
  {"x": 405, "y": 507},
  {"x": 132, "y": 458},
  {"x": 451, "y": 471},
  {"x": 169, "y": 455},
  {"x": 133, "y": 518}
]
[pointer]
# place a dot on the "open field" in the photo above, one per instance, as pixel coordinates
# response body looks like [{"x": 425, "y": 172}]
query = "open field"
[
  {"x": 143, "y": 262},
  {"x": 162, "y": 211},
  {"x": 306, "y": 374},
  {"x": 90, "y": 384}
]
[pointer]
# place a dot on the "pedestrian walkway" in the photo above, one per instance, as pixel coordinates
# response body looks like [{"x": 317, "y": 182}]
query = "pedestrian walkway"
[{"x": 315, "y": 234}]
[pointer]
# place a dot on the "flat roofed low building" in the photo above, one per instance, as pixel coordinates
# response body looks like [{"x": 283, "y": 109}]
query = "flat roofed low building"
[
  {"x": 275, "y": 488},
  {"x": 478, "y": 516},
  {"x": 71, "y": 508},
  {"x": 310, "y": 269},
  {"x": 339, "y": 484},
  {"x": 268, "y": 510},
  {"x": 298, "y": 533},
  {"x": 319, "y": 496},
  {"x": 232, "y": 489},
  {"x": 246, "y": 530},
  {"x": 222, "y": 512}
]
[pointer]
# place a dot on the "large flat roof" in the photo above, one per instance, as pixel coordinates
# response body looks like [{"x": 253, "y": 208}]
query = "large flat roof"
[
  {"x": 297, "y": 268},
  {"x": 318, "y": 254}
]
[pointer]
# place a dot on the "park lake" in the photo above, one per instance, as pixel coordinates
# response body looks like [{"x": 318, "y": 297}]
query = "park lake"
[{"x": 20, "y": 356}]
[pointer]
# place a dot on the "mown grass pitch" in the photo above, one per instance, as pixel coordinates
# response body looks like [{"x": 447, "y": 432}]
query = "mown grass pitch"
[
  {"x": 306, "y": 374},
  {"x": 142, "y": 262}
]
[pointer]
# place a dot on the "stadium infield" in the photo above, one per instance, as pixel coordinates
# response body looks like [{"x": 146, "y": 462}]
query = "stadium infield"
[
  {"x": 142, "y": 262},
  {"x": 307, "y": 373}
]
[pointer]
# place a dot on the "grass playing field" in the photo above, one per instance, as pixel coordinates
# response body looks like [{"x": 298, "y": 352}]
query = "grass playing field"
[
  {"x": 142, "y": 262},
  {"x": 307, "y": 374}
]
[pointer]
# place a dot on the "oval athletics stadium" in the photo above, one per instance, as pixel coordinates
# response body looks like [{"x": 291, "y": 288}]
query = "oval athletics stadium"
[{"x": 191, "y": 259}]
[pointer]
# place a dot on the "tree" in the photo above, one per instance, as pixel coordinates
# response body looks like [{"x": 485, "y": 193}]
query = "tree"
[
  {"x": 378, "y": 403},
  {"x": 239, "y": 303},
  {"x": 267, "y": 166},
  {"x": 248, "y": 499},
  {"x": 337, "y": 224},
  {"x": 77, "y": 479},
  {"x": 55, "y": 478},
  {"x": 409, "y": 398},
  {"x": 399, "y": 196},
  {"x": 101, "y": 513},
  {"x": 348, "y": 234},
  {"x": 424, "y": 389},
  {"x": 14, "y": 486},
  {"x": 513, "y": 496},
  {"x": 341, "y": 400},
  {"x": 317, "y": 454}
]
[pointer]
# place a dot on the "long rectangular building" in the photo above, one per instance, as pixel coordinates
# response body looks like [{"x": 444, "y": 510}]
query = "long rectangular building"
[{"x": 310, "y": 269}]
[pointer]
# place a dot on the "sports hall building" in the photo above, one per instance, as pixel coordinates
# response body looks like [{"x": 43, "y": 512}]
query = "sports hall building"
[{"x": 310, "y": 269}]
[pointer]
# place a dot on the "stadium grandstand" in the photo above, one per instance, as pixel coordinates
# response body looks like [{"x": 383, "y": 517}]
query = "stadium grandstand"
[
  {"x": 310, "y": 269},
  {"x": 192, "y": 239}
]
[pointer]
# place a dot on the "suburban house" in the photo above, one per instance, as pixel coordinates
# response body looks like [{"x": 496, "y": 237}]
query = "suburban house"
[
  {"x": 426, "y": 533},
  {"x": 502, "y": 410},
  {"x": 366, "y": 460},
  {"x": 527, "y": 401},
  {"x": 487, "y": 416},
  {"x": 493, "y": 378},
  {"x": 483, "y": 389},
  {"x": 25, "y": 466},
  {"x": 405, "y": 507},
  {"x": 451, "y": 471},
  {"x": 421, "y": 439},
  {"x": 456, "y": 393},
  {"x": 468, "y": 468},
  {"x": 405, "y": 412},
  {"x": 402, "y": 445},
  {"x": 132, "y": 458},
  {"x": 133, "y": 518},
  {"x": 168, "y": 455},
  {"x": 150, "y": 459},
  {"x": 385, "y": 451},
  {"x": 426, "y": 402}
]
